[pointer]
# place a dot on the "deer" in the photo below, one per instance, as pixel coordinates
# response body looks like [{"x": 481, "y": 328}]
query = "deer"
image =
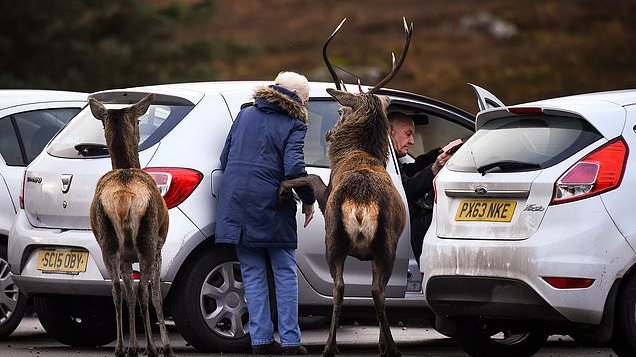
[
  {"x": 129, "y": 219},
  {"x": 363, "y": 211}
]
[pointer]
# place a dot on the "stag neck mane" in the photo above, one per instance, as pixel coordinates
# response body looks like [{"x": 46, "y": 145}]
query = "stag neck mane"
[
  {"x": 365, "y": 130},
  {"x": 123, "y": 151}
]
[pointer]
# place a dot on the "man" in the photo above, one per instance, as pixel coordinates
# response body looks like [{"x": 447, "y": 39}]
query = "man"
[{"x": 417, "y": 178}]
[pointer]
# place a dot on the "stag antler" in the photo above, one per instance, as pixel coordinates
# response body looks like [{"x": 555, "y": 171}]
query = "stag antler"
[
  {"x": 408, "y": 31},
  {"x": 336, "y": 80}
]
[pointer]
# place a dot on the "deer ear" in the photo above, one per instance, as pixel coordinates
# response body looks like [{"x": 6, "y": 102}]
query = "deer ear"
[
  {"x": 97, "y": 108},
  {"x": 345, "y": 98},
  {"x": 141, "y": 107}
]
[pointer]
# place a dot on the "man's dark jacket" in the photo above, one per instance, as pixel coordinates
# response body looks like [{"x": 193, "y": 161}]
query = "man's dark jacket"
[{"x": 417, "y": 179}]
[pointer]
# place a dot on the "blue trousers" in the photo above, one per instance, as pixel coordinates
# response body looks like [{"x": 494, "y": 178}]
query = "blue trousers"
[{"x": 254, "y": 272}]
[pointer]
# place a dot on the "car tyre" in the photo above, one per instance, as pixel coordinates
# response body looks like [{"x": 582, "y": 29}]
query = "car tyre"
[
  {"x": 12, "y": 301},
  {"x": 477, "y": 338},
  {"x": 208, "y": 303},
  {"x": 84, "y": 321},
  {"x": 624, "y": 339}
]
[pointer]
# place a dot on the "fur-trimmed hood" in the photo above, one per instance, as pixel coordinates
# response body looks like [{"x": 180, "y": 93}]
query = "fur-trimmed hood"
[{"x": 285, "y": 99}]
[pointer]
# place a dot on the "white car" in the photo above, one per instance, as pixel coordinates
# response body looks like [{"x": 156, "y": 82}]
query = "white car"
[
  {"x": 28, "y": 120},
  {"x": 56, "y": 259},
  {"x": 533, "y": 231}
]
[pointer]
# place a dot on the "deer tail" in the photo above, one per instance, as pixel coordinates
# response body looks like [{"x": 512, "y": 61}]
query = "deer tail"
[
  {"x": 123, "y": 202},
  {"x": 360, "y": 218}
]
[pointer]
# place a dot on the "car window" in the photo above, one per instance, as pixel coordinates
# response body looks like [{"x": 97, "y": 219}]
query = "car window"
[
  {"x": 85, "y": 129},
  {"x": 323, "y": 115},
  {"x": 37, "y": 127},
  {"x": 9, "y": 144},
  {"x": 432, "y": 131},
  {"x": 539, "y": 141}
]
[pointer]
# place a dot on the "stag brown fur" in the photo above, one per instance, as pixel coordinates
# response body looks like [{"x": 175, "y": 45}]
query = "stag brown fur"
[
  {"x": 364, "y": 213},
  {"x": 129, "y": 219}
]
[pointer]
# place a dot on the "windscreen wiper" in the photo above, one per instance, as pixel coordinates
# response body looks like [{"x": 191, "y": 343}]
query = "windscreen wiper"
[
  {"x": 507, "y": 166},
  {"x": 91, "y": 149}
]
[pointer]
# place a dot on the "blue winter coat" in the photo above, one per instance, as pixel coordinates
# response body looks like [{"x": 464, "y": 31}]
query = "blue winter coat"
[{"x": 264, "y": 147}]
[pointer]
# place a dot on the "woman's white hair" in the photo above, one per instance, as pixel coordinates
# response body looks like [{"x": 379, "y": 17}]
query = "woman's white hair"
[{"x": 293, "y": 81}]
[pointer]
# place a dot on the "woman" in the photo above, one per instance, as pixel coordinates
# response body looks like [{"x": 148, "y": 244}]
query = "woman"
[{"x": 263, "y": 148}]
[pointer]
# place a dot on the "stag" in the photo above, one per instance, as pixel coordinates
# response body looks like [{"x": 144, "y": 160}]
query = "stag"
[
  {"x": 364, "y": 213},
  {"x": 129, "y": 219}
]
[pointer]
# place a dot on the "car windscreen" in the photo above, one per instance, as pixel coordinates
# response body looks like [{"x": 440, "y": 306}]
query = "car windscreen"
[
  {"x": 523, "y": 143},
  {"x": 83, "y": 136}
]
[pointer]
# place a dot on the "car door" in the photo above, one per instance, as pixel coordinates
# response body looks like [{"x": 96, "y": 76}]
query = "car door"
[{"x": 24, "y": 131}]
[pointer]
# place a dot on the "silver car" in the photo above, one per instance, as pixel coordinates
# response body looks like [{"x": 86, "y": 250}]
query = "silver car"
[
  {"x": 56, "y": 259},
  {"x": 28, "y": 120}
]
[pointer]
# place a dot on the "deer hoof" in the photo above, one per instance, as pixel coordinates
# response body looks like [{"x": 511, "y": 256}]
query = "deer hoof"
[
  {"x": 328, "y": 352},
  {"x": 132, "y": 352},
  {"x": 391, "y": 353},
  {"x": 120, "y": 352},
  {"x": 167, "y": 351}
]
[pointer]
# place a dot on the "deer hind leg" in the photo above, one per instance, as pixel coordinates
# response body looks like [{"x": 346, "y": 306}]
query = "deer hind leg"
[
  {"x": 156, "y": 301},
  {"x": 335, "y": 260},
  {"x": 131, "y": 299},
  {"x": 382, "y": 267},
  {"x": 112, "y": 265},
  {"x": 145, "y": 276}
]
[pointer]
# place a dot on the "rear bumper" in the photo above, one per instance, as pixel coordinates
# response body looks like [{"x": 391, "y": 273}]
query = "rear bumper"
[
  {"x": 25, "y": 241},
  {"x": 488, "y": 297},
  {"x": 571, "y": 241}
]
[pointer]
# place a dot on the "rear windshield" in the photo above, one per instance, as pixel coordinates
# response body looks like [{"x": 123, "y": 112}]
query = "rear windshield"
[
  {"x": 523, "y": 143},
  {"x": 85, "y": 129}
]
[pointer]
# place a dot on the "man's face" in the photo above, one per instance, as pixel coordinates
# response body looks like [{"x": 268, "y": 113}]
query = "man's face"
[{"x": 402, "y": 136}]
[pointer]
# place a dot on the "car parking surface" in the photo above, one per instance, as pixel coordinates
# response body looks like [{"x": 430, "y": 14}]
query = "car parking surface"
[{"x": 30, "y": 339}]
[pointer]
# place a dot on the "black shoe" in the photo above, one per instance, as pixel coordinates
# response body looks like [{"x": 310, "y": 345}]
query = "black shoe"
[
  {"x": 273, "y": 348},
  {"x": 295, "y": 350}
]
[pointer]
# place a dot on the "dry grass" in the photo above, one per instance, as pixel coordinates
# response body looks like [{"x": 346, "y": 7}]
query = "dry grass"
[{"x": 561, "y": 47}]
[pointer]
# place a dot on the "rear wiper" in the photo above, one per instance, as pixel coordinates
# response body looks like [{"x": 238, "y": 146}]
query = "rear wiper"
[
  {"x": 91, "y": 149},
  {"x": 507, "y": 165}
]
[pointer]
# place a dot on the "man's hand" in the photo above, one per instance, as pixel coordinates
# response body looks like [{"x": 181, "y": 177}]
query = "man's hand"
[
  {"x": 440, "y": 162},
  {"x": 308, "y": 211}
]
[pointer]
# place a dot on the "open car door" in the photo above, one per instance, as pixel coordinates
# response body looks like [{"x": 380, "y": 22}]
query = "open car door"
[{"x": 485, "y": 99}]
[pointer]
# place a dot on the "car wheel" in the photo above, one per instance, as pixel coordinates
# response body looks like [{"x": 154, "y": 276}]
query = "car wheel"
[
  {"x": 479, "y": 339},
  {"x": 209, "y": 306},
  {"x": 84, "y": 321},
  {"x": 624, "y": 339},
  {"x": 12, "y": 301}
]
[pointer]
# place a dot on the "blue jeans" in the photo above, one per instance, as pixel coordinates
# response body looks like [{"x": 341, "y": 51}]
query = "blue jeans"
[{"x": 254, "y": 272}]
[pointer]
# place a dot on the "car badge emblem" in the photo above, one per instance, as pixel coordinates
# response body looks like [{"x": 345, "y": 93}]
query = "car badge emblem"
[
  {"x": 480, "y": 190},
  {"x": 66, "y": 182},
  {"x": 64, "y": 204}
]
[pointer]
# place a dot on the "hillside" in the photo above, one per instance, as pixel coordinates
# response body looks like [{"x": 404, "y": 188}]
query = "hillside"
[{"x": 521, "y": 50}]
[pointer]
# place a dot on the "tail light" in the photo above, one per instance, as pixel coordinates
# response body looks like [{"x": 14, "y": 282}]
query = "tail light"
[
  {"x": 569, "y": 283},
  {"x": 22, "y": 190},
  {"x": 175, "y": 184},
  {"x": 598, "y": 172},
  {"x": 525, "y": 110}
]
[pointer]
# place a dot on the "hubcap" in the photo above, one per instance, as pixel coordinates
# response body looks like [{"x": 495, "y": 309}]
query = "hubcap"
[
  {"x": 9, "y": 292},
  {"x": 223, "y": 302}
]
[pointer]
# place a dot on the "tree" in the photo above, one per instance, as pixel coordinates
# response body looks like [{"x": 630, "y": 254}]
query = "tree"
[{"x": 93, "y": 45}]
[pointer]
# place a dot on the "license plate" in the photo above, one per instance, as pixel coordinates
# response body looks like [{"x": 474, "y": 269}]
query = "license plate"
[
  {"x": 489, "y": 211},
  {"x": 62, "y": 261}
]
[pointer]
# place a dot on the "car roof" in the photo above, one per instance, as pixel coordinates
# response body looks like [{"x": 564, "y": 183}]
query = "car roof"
[
  {"x": 193, "y": 91},
  {"x": 14, "y": 97},
  {"x": 617, "y": 97}
]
